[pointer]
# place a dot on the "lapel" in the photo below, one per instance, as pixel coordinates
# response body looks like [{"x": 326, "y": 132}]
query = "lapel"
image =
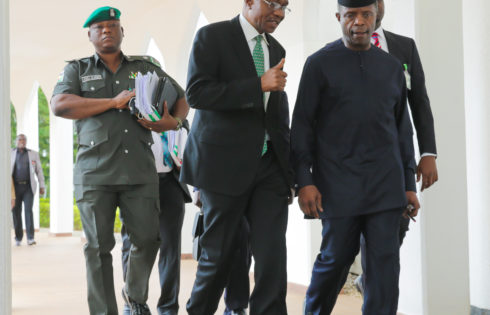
[
  {"x": 394, "y": 46},
  {"x": 239, "y": 43},
  {"x": 390, "y": 41}
]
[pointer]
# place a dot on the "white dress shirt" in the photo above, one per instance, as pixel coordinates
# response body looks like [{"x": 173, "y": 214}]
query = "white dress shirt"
[
  {"x": 382, "y": 39},
  {"x": 157, "y": 149}
]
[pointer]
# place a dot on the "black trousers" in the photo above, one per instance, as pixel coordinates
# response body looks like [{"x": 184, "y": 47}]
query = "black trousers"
[
  {"x": 23, "y": 194},
  {"x": 265, "y": 206},
  {"x": 404, "y": 224},
  {"x": 340, "y": 245},
  {"x": 171, "y": 218},
  {"x": 238, "y": 286}
]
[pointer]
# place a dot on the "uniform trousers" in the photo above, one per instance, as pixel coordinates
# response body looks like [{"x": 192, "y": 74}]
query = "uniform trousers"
[
  {"x": 171, "y": 218},
  {"x": 139, "y": 210},
  {"x": 23, "y": 194},
  {"x": 340, "y": 245},
  {"x": 265, "y": 205}
]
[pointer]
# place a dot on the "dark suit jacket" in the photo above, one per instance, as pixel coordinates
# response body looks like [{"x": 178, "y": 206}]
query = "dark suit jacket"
[
  {"x": 405, "y": 50},
  {"x": 224, "y": 146}
]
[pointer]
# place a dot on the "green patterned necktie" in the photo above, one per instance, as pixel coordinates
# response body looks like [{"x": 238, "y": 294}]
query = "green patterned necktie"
[{"x": 258, "y": 57}]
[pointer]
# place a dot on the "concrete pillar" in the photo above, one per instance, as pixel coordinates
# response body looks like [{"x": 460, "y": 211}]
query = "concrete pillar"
[
  {"x": 28, "y": 124},
  {"x": 5, "y": 184},
  {"x": 444, "y": 216},
  {"x": 61, "y": 174},
  {"x": 477, "y": 98}
]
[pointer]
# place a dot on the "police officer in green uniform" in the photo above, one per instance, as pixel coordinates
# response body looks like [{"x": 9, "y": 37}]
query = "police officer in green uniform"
[{"x": 115, "y": 165}]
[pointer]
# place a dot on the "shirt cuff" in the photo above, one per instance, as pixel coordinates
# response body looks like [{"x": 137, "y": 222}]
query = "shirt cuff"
[{"x": 428, "y": 154}]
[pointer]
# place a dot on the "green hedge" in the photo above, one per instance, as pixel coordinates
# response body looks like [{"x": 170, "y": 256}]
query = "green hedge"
[{"x": 77, "y": 222}]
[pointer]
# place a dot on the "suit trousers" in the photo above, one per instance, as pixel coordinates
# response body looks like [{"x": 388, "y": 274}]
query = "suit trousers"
[
  {"x": 23, "y": 194},
  {"x": 139, "y": 210},
  {"x": 238, "y": 286},
  {"x": 340, "y": 245},
  {"x": 265, "y": 206},
  {"x": 171, "y": 218}
]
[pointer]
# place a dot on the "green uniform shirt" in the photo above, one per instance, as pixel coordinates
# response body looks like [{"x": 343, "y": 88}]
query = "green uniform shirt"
[{"x": 113, "y": 149}]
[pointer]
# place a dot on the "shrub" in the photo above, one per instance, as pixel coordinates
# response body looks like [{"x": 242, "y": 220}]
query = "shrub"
[{"x": 77, "y": 222}]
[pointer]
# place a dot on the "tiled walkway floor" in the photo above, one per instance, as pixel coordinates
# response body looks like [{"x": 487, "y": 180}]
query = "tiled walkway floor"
[{"x": 49, "y": 279}]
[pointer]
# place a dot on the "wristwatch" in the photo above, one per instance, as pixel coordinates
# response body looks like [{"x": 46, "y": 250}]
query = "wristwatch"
[{"x": 179, "y": 123}]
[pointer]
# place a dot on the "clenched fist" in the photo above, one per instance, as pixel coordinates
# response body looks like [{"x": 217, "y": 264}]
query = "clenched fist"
[{"x": 274, "y": 79}]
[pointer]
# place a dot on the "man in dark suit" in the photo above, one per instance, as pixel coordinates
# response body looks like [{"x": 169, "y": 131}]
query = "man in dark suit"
[
  {"x": 237, "y": 153},
  {"x": 405, "y": 50}
]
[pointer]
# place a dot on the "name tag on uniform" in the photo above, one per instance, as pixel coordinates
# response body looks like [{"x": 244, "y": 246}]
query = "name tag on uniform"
[{"x": 91, "y": 78}]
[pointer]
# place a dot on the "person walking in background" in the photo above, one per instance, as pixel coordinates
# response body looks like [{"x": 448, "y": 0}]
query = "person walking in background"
[
  {"x": 12, "y": 193},
  {"x": 25, "y": 167}
]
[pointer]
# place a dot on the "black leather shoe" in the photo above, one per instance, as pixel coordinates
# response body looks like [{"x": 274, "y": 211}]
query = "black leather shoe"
[
  {"x": 135, "y": 308},
  {"x": 239, "y": 312}
]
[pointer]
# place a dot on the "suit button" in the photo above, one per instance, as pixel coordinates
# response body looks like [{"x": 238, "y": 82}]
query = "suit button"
[
  {"x": 126, "y": 130},
  {"x": 92, "y": 88},
  {"x": 92, "y": 142},
  {"x": 149, "y": 143},
  {"x": 120, "y": 110},
  {"x": 117, "y": 82},
  {"x": 126, "y": 151}
]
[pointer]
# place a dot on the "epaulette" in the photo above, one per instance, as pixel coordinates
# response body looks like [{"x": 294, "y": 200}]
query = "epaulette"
[
  {"x": 77, "y": 60},
  {"x": 149, "y": 59}
]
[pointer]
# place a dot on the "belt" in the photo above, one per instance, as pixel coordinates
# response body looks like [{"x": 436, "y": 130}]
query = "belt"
[{"x": 25, "y": 182}]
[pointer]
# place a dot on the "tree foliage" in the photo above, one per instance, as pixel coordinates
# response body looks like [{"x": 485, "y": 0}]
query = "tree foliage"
[
  {"x": 43, "y": 109},
  {"x": 13, "y": 125}
]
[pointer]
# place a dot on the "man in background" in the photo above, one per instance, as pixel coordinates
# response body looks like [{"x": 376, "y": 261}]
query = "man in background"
[
  {"x": 25, "y": 166},
  {"x": 405, "y": 50}
]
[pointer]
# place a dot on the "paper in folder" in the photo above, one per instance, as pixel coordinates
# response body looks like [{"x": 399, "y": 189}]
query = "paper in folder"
[{"x": 151, "y": 92}]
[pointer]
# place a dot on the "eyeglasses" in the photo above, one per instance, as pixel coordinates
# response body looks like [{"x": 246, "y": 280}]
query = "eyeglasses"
[{"x": 276, "y": 6}]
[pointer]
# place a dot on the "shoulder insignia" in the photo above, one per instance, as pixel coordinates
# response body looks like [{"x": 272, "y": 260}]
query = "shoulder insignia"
[{"x": 149, "y": 59}]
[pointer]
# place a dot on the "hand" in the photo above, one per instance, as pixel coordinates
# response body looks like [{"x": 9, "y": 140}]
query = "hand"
[
  {"x": 12, "y": 202},
  {"x": 274, "y": 79},
  {"x": 310, "y": 201},
  {"x": 427, "y": 169},
  {"x": 197, "y": 198},
  {"x": 167, "y": 122},
  {"x": 414, "y": 201},
  {"x": 121, "y": 100},
  {"x": 41, "y": 191}
]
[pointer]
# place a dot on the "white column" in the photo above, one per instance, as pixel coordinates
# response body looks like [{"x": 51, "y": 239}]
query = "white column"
[
  {"x": 28, "y": 124},
  {"x": 444, "y": 216},
  {"x": 61, "y": 176},
  {"x": 477, "y": 98},
  {"x": 5, "y": 216}
]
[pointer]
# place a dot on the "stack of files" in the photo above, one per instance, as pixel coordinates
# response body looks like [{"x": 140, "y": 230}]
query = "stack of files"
[{"x": 151, "y": 92}]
